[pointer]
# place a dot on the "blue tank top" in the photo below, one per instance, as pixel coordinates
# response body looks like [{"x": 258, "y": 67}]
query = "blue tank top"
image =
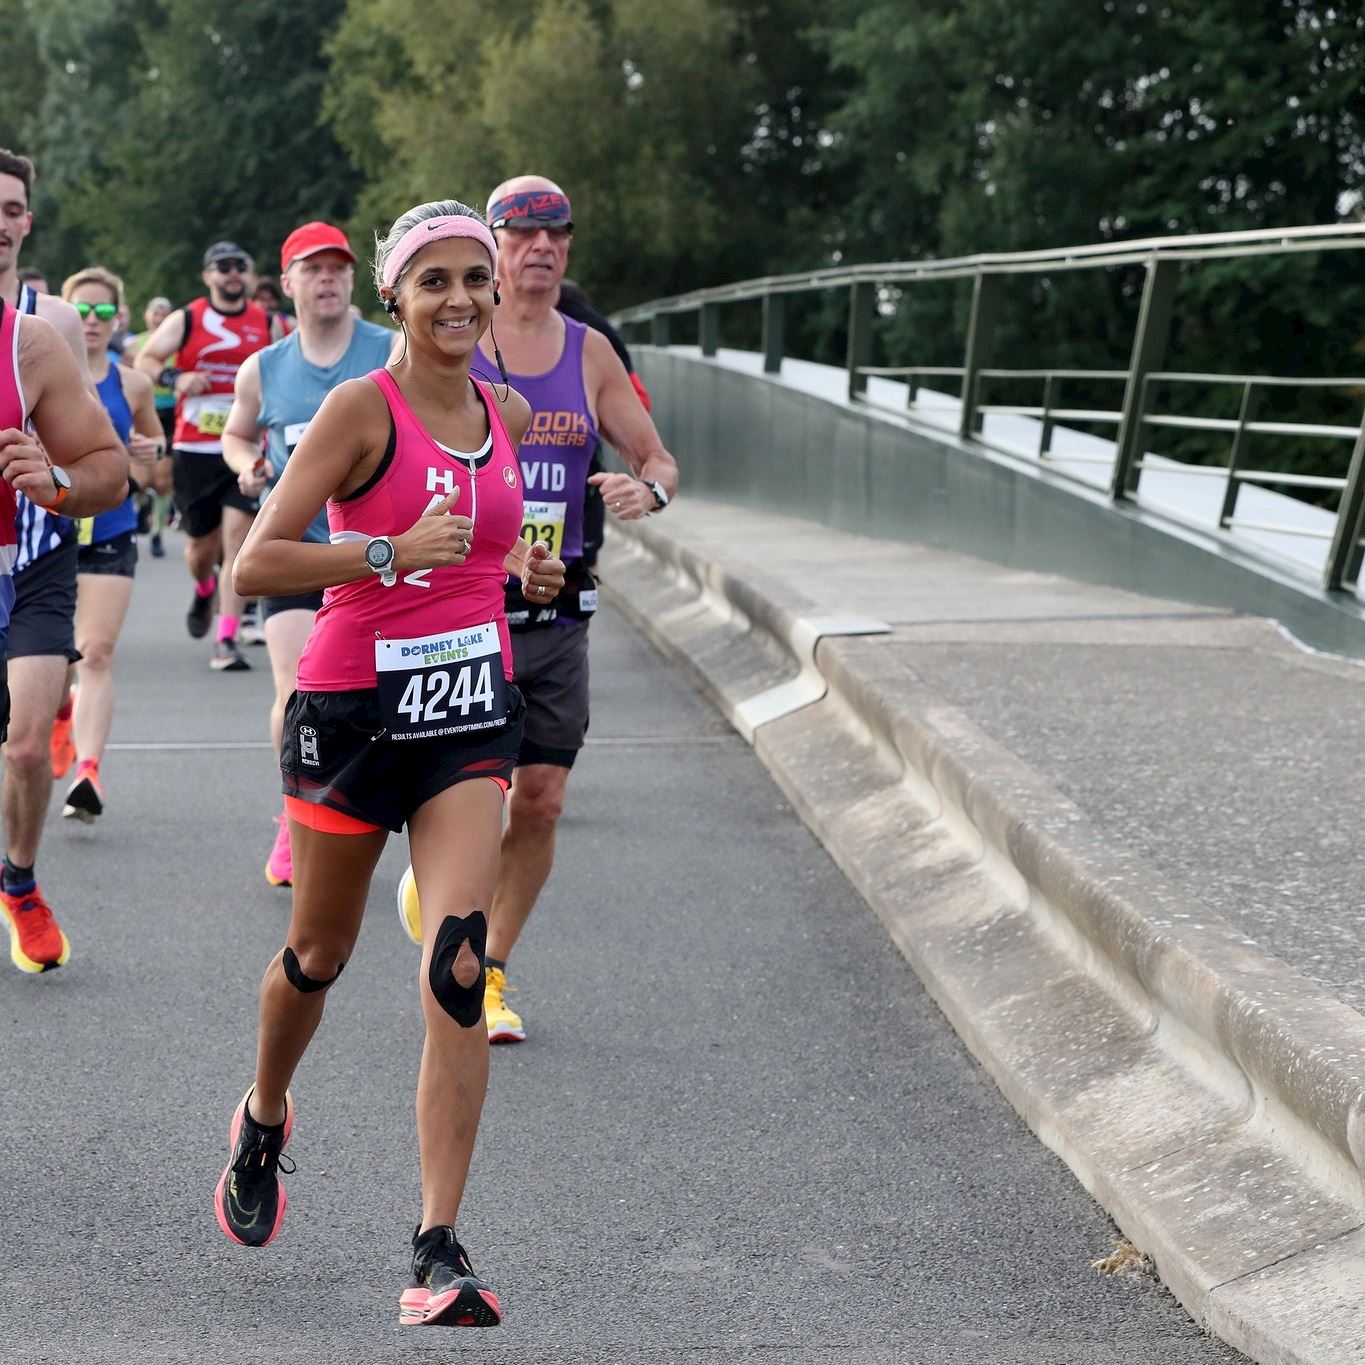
[
  {"x": 96, "y": 530},
  {"x": 558, "y": 447},
  {"x": 292, "y": 390}
]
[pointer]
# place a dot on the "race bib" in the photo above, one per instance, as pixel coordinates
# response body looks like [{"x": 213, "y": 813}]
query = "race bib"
[
  {"x": 446, "y": 684},
  {"x": 293, "y": 434},
  {"x": 544, "y": 521},
  {"x": 209, "y": 414}
]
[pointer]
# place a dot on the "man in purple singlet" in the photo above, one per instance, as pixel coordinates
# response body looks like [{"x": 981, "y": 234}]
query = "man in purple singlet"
[{"x": 579, "y": 393}]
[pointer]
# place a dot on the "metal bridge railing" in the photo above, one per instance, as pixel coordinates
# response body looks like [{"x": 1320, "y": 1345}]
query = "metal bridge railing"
[{"x": 1132, "y": 416}]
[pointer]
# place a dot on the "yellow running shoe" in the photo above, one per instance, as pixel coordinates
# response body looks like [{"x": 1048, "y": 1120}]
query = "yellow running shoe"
[
  {"x": 504, "y": 1024},
  {"x": 409, "y": 908}
]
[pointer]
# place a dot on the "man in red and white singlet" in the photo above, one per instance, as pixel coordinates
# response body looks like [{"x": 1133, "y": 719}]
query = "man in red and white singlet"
[
  {"x": 210, "y": 339},
  {"x": 405, "y": 714}
]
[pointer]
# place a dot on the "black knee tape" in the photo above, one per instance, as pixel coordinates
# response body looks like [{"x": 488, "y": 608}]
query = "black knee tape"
[
  {"x": 464, "y": 1004},
  {"x": 299, "y": 979}
]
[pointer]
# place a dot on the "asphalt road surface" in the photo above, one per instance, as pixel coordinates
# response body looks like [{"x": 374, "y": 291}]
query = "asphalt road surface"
[{"x": 739, "y": 1130}]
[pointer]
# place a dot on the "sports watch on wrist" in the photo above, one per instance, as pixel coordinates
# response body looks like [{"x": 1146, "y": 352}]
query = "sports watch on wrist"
[
  {"x": 379, "y": 555},
  {"x": 660, "y": 496},
  {"x": 61, "y": 481}
]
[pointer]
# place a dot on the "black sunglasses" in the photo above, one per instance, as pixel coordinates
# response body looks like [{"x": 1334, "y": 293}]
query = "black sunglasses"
[
  {"x": 232, "y": 263},
  {"x": 558, "y": 231}
]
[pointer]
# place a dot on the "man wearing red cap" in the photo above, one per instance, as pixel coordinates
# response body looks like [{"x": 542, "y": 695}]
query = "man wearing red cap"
[{"x": 278, "y": 392}]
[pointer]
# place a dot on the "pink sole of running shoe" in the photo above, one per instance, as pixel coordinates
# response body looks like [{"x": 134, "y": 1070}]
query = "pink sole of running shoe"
[
  {"x": 233, "y": 1130},
  {"x": 279, "y": 867},
  {"x": 462, "y": 1307}
]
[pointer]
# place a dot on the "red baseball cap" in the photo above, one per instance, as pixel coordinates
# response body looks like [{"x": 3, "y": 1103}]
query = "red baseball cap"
[{"x": 310, "y": 239}]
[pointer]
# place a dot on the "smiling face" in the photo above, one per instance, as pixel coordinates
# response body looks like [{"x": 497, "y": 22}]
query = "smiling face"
[
  {"x": 16, "y": 222},
  {"x": 445, "y": 298},
  {"x": 320, "y": 285},
  {"x": 98, "y": 333}
]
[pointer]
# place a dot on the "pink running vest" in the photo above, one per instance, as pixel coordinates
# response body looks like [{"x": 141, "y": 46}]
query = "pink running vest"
[{"x": 339, "y": 655}]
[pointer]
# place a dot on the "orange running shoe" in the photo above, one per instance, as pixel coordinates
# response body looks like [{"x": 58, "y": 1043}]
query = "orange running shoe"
[
  {"x": 36, "y": 942},
  {"x": 63, "y": 746}
]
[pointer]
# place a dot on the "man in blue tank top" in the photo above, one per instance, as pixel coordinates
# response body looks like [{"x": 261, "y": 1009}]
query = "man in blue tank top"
[
  {"x": 579, "y": 391},
  {"x": 278, "y": 392}
]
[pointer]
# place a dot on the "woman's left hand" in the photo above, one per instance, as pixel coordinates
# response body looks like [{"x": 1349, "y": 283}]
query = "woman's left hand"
[{"x": 542, "y": 575}]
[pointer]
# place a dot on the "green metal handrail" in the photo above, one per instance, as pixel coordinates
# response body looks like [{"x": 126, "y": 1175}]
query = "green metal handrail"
[{"x": 1161, "y": 259}]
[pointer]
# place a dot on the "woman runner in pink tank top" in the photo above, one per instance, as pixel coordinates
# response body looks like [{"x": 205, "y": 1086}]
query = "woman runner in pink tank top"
[{"x": 404, "y": 710}]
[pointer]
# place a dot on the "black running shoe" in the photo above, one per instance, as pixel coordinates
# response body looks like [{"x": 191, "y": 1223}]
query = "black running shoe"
[
  {"x": 250, "y": 1200},
  {"x": 85, "y": 798},
  {"x": 227, "y": 658},
  {"x": 200, "y": 615},
  {"x": 445, "y": 1291}
]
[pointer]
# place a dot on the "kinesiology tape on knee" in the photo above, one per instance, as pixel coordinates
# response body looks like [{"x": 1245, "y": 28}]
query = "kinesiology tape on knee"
[
  {"x": 300, "y": 980},
  {"x": 464, "y": 1004}
]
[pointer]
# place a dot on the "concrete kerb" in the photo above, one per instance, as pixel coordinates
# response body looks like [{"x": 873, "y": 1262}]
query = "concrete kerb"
[{"x": 1263, "y": 1072}]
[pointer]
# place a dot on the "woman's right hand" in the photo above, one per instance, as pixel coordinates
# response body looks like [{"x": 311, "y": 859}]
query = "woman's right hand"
[{"x": 438, "y": 539}]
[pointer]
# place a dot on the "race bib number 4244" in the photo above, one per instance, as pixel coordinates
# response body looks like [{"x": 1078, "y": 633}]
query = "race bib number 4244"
[{"x": 445, "y": 684}]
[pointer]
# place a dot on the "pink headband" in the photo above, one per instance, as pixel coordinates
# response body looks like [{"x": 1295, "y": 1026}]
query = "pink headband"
[{"x": 434, "y": 230}]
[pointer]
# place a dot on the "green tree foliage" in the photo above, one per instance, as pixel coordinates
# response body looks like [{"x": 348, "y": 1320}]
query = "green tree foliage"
[
  {"x": 164, "y": 127},
  {"x": 25, "y": 74},
  {"x": 989, "y": 126},
  {"x": 82, "y": 48},
  {"x": 672, "y": 128},
  {"x": 725, "y": 139}
]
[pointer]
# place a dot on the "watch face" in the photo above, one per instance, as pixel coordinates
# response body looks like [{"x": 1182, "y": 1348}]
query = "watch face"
[
  {"x": 60, "y": 477},
  {"x": 378, "y": 553}
]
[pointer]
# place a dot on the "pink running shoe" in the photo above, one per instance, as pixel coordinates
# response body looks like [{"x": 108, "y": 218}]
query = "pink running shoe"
[{"x": 279, "y": 867}]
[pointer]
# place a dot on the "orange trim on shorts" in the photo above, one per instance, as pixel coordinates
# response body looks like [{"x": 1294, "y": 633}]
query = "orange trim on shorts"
[{"x": 324, "y": 819}]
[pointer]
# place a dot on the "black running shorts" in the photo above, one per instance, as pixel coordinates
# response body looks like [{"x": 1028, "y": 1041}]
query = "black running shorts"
[
  {"x": 204, "y": 485},
  {"x": 4, "y": 700},
  {"x": 44, "y": 618},
  {"x": 551, "y": 665},
  {"x": 117, "y": 555},
  {"x": 346, "y": 764},
  {"x": 299, "y": 601}
]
